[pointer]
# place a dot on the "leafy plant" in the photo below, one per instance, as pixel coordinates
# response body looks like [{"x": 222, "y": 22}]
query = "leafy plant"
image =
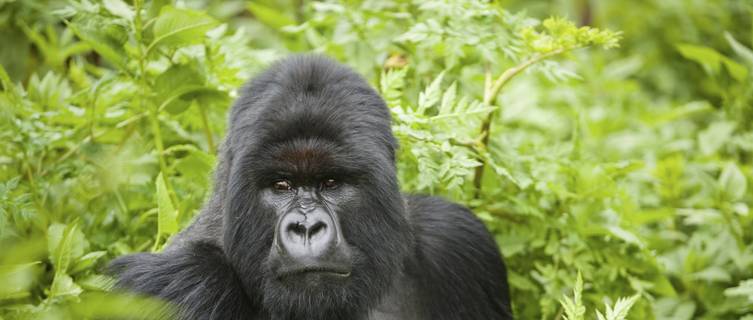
[{"x": 609, "y": 173}]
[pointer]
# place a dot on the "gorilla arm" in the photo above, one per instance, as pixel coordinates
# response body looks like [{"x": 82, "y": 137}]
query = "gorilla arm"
[{"x": 195, "y": 277}]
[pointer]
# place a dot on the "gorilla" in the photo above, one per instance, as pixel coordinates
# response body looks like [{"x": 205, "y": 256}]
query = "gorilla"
[{"x": 306, "y": 220}]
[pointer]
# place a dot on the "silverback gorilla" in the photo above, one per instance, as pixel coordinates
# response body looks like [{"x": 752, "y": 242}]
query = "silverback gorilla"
[{"x": 307, "y": 221}]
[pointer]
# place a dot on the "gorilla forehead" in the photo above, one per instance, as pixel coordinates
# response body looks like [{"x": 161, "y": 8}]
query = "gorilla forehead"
[
  {"x": 311, "y": 97},
  {"x": 306, "y": 160}
]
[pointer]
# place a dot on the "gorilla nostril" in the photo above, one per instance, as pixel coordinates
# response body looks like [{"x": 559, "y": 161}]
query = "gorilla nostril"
[
  {"x": 296, "y": 229},
  {"x": 319, "y": 228}
]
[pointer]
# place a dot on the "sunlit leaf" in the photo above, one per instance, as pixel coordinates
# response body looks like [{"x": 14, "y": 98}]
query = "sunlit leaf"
[
  {"x": 270, "y": 16},
  {"x": 179, "y": 27},
  {"x": 733, "y": 182},
  {"x": 167, "y": 215}
]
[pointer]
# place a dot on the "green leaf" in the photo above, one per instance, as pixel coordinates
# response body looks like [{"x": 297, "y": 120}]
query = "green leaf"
[
  {"x": 5, "y": 81},
  {"x": 430, "y": 96},
  {"x": 17, "y": 279},
  {"x": 172, "y": 84},
  {"x": 391, "y": 84},
  {"x": 732, "y": 182},
  {"x": 625, "y": 235},
  {"x": 620, "y": 310},
  {"x": 736, "y": 70},
  {"x": 107, "y": 39},
  {"x": 65, "y": 243},
  {"x": 180, "y": 27},
  {"x": 87, "y": 261},
  {"x": 448, "y": 99},
  {"x": 270, "y": 16},
  {"x": 712, "y": 61},
  {"x": 167, "y": 216},
  {"x": 707, "y": 57},
  {"x": 119, "y": 8},
  {"x": 712, "y": 274},
  {"x": 744, "y": 289},
  {"x": 197, "y": 166},
  {"x": 741, "y": 50},
  {"x": 573, "y": 307},
  {"x": 156, "y": 6},
  {"x": 559, "y": 34},
  {"x": 63, "y": 285},
  {"x": 715, "y": 136}
]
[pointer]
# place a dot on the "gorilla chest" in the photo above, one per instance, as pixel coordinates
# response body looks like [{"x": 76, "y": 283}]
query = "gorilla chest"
[{"x": 400, "y": 304}]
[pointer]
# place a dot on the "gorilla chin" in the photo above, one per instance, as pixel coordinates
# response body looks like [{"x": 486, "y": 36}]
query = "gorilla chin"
[{"x": 306, "y": 220}]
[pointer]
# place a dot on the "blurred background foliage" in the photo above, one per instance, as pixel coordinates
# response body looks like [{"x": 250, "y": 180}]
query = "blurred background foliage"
[{"x": 619, "y": 170}]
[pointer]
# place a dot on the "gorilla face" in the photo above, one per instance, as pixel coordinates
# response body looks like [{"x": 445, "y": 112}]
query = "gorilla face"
[{"x": 313, "y": 216}]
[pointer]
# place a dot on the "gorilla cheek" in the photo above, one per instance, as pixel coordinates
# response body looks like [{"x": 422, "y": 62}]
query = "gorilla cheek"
[{"x": 247, "y": 240}]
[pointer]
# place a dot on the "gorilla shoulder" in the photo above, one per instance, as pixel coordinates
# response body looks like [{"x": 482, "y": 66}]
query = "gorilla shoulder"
[{"x": 453, "y": 245}]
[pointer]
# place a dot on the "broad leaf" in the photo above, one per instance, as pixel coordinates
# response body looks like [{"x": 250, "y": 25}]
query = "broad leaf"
[{"x": 180, "y": 27}]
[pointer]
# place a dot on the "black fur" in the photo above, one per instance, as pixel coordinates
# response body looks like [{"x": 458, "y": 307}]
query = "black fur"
[{"x": 413, "y": 257}]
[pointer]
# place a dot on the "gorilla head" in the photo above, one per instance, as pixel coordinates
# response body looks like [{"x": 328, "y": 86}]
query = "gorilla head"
[{"x": 313, "y": 212}]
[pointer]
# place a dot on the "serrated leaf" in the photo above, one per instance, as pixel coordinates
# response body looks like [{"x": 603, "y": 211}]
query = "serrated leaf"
[
  {"x": 573, "y": 307},
  {"x": 180, "y": 27},
  {"x": 430, "y": 96},
  {"x": 391, "y": 84},
  {"x": 620, "y": 310},
  {"x": 448, "y": 99}
]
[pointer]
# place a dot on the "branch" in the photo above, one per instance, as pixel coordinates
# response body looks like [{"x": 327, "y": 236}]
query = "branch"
[{"x": 491, "y": 91}]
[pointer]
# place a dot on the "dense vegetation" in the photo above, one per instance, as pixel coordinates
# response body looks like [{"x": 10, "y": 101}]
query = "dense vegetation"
[{"x": 609, "y": 164}]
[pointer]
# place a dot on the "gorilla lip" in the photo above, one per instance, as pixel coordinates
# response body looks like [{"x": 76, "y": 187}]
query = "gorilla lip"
[{"x": 337, "y": 272}]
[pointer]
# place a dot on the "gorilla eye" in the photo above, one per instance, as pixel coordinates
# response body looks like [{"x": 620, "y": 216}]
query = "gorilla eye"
[
  {"x": 329, "y": 184},
  {"x": 282, "y": 185}
]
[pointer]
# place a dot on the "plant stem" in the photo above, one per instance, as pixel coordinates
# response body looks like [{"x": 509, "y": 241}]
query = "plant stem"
[
  {"x": 491, "y": 91},
  {"x": 154, "y": 110},
  {"x": 207, "y": 129}
]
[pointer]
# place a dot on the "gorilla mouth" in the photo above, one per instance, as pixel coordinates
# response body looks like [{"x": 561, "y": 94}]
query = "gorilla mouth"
[{"x": 339, "y": 272}]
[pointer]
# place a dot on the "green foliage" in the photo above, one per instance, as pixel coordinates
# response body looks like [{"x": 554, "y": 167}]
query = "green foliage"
[
  {"x": 573, "y": 307},
  {"x": 609, "y": 173}
]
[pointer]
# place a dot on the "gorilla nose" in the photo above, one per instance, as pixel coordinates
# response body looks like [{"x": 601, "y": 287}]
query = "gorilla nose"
[{"x": 307, "y": 235}]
